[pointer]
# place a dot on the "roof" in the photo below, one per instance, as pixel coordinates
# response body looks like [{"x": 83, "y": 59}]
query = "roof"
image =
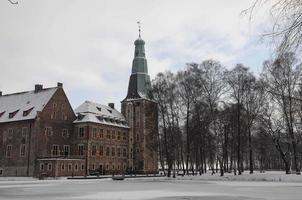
[
  {"x": 24, "y": 105},
  {"x": 101, "y": 114}
]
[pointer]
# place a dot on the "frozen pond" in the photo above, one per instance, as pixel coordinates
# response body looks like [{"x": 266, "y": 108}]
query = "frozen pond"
[{"x": 151, "y": 188}]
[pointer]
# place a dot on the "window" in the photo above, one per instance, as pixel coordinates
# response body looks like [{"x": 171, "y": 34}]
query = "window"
[
  {"x": 107, "y": 151},
  {"x": 54, "y": 105},
  {"x": 69, "y": 166},
  {"x": 101, "y": 133},
  {"x": 26, "y": 112},
  {"x": 66, "y": 150},
  {"x": 113, "y": 151},
  {"x": 101, "y": 150},
  {"x": 8, "y": 151},
  {"x": 1, "y": 172},
  {"x": 63, "y": 167},
  {"x": 24, "y": 131},
  {"x": 82, "y": 167},
  {"x": 12, "y": 114},
  {"x": 49, "y": 166},
  {"x": 22, "y": 150},
  {"x": 124, "y": 136},
  {"x": 76, "y": 167},
  {"x": 93, "y": 151},
  {"x": 53, "y": 115},
  {"x": 118, "y": 167},
  {"x": 124, "y": 166},
  {"x": 113, "y": 166},
  {"x": 10, "y": 133},
  {"x": 48, "y": 131},
  {"x": 94, "y": 132},
  {"x": 81, "y": 132},
  {"x": 64, "y": 117},
  {"x": 108, "y": 134},
  {"x": 55, "y": 150},
  {"x": 107, "y": 166},
  {"x": 124, "y": 152},
  {"x": 113, "y": 134},
  {"x": 81, "y": 149},
  {"x": 118, "y": 152},
  {"x": 41, "y": 166},
  {"x": 118, "y": 135},
  {"x": 2, "y": 113},
  {"x": 65, "y": 132}
]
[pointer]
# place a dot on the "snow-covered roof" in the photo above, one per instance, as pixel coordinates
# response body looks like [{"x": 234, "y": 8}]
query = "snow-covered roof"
[
  {"x": 24, "y": 105},
  {"x": 99, "y": 113}
]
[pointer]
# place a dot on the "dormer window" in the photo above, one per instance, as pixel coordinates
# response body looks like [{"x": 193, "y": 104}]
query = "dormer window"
[
  {"x": 99, "y": 108},
  {"x": 80, "y": 117},
  {"x": 26, "y": 112},
  {"x": 12, "y": 114},
  {"x": 100, "y": 118},
  {"x": 2, "y": 113}
]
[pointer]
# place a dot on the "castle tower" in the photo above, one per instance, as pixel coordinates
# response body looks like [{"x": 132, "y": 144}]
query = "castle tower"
[{"x": 141, "y": 113}]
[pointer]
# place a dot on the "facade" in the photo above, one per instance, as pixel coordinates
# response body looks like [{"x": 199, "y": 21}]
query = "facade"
[
  {"x": 101, "y": 134},
  {"x": 33, "y": 125},
  {"x": 41, "y": 135}
]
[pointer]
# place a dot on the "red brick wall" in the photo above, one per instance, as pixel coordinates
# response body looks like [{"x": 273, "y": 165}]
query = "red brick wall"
[
  {"x": 142, "y": 117},
  {"x": 96, "y": 161}
]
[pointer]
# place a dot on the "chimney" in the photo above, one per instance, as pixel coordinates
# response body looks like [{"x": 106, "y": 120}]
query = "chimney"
[
  {"x": 111, "y": 105},
  {"x": 0, "y": 93},
  {"x": 38, "y": 87},
  {"x": 60, "y": 85}
]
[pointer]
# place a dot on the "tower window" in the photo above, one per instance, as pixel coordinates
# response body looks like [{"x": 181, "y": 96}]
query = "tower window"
[
  {"x": 22, "y": 150},
  {"x": 8, "y": 151},
  {"x": 81, "y": 132},
  {"x": 24, "y": 131}
]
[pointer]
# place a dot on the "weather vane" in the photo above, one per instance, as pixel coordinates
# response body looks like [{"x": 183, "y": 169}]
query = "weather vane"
[{"x": 139, "y": 28}]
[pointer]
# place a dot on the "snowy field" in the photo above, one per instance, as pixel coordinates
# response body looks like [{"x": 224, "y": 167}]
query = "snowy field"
[{"x": 271, "y": 185}]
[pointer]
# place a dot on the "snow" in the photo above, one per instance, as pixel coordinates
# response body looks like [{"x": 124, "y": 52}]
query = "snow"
[
  {"x": 24, "y": 101},
  {"x": 90, "y": 111},
  {"x": 276, "y": 176},
  {"x": 191, "y": 188}
]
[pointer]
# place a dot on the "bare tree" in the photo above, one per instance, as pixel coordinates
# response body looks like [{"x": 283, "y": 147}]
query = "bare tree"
[
  {"x": 282, "y": 77},
  {"x": 286, "y": 16},
  {"x": 238, "y": 79}
]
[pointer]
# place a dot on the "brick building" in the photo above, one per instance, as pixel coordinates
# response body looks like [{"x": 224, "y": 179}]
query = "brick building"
[
  {"x": 34, "y": 126},
  {"x": 41, "y": 135},
  {"x": 102, "y": 135}
]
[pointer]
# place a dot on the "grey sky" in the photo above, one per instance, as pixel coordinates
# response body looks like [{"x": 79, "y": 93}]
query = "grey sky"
[{"x": 88, "y": 45}]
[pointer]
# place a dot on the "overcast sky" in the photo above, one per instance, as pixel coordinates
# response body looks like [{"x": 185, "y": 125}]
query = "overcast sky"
[{"x": 88, "y": 45}]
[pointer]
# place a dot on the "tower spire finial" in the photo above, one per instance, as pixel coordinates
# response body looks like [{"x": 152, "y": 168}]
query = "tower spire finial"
[{"x": 139, "y": 28}]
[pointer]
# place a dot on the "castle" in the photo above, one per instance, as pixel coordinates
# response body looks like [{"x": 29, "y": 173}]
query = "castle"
[{"x": 41, "y": 135}]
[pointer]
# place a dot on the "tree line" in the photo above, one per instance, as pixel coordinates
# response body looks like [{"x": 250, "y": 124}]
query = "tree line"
[{"x": 230, "y": 120}]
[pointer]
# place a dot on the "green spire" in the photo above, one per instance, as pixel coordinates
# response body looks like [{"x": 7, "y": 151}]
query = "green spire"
[{"x": 139, "y": 82}]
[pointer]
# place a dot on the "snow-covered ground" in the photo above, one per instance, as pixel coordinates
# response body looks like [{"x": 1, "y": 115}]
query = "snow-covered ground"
[{"x": 192, "y": 188}]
